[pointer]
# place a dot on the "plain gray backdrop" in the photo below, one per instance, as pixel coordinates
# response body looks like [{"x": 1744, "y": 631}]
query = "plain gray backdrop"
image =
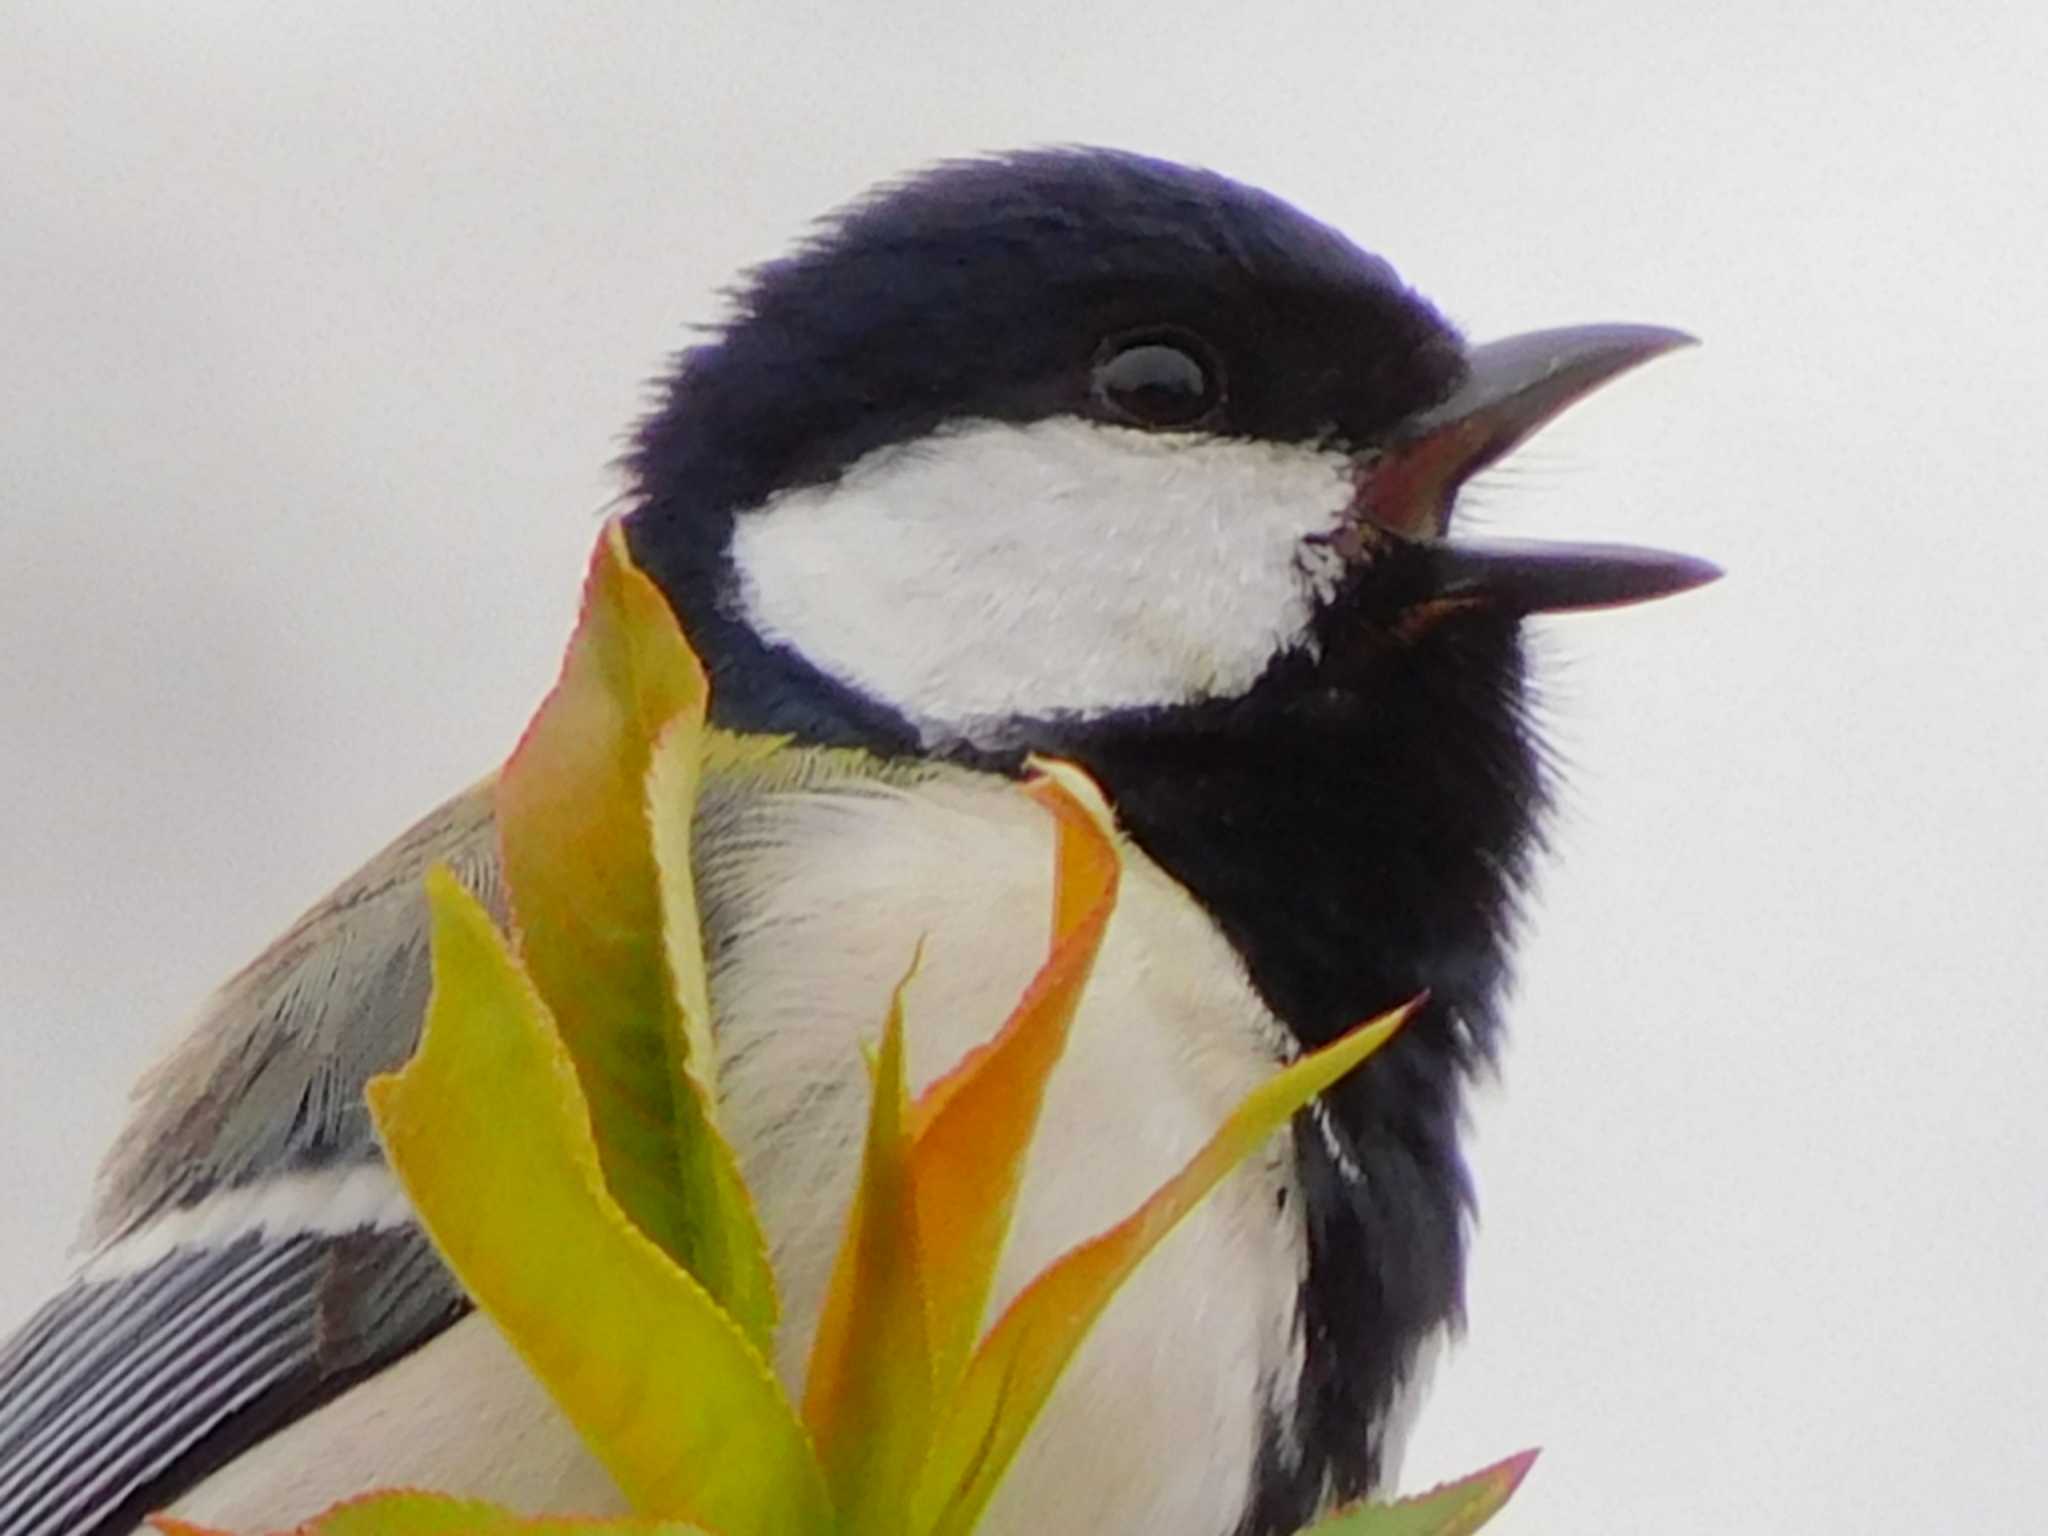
[{"x": 319, "y": 326}]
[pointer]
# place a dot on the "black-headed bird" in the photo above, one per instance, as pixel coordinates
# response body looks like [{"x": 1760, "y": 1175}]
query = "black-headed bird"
[{"x": 1068, "y": 452}]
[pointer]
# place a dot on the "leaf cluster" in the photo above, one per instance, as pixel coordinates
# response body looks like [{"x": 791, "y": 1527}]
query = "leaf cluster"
[{"x": 557, "y": 1133}]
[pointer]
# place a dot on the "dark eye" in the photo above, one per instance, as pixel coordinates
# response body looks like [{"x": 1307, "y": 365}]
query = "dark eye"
[{"x": 1158, "y": 378}]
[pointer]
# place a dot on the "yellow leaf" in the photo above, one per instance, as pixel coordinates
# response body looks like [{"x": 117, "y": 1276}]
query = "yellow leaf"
[
  {"x": 974, "y": 1126},
  {"x": 1017, "y": 1365},
  {"x": 407, "y": 1513},
  {"x": 1454, "y": 1509},
  {"x": 868, "y": 1392},
  {"x": 612, "y": 941},
  {"x": 436, "y": 1514},
  {"x": 488, "y": 1133}
]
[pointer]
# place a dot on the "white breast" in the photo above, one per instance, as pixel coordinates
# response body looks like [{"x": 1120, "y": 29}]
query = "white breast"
[
  {"x": 1155, "y": 1426},
  {"x": 819, "y": 898}
]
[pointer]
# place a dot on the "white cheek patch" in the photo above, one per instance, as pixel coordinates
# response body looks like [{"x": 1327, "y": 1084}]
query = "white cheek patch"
[{"x": 1060, "y": 567}]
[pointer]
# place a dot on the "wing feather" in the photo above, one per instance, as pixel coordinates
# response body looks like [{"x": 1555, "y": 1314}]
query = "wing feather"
[
  {"x": 269, "y": 1078},
  {"x": 255, "y": 1259},
  {"x": 122, "y": 1393}
]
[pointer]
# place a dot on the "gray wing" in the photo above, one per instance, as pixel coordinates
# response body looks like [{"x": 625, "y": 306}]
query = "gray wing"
[
  {"x": 123, "y": 1393},
  {"x": 253, "y": 1256}
]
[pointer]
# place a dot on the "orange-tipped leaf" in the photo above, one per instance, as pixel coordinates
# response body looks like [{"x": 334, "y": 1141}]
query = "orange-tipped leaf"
[
  {"x": 611, "y": 939},
  {"x": 868, "y": 1391},
  {"x": 974, "y": 1126},
  {"x": 1016, "y": 1367}
]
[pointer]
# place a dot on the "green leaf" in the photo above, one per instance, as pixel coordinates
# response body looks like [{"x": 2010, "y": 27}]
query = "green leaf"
[
  {"x": 488, "y": 1133},
  {"x": 612, "y": 941},
  {"x": 1454, "y": 1509},
  {"x": 974, "y": 1126},
  {"x": 1015, "y": 1369},
  {"x": 868, "y": 1392},
  {"x": 937, "y": 1188},
  {"x": 437, "y": 1514}
]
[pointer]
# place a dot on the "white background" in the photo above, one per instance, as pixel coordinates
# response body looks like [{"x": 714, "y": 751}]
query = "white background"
[{"x": 321, "y": 324}]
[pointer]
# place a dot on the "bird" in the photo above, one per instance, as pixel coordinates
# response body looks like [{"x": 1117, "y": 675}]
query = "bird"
[{"x": 1066, "y": 452}]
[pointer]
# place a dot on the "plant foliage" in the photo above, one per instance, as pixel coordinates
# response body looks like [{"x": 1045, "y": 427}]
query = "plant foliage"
[{"x": 557, "y": 1132}]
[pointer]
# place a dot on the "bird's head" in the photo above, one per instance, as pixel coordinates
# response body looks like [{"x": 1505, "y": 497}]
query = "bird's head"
[{"x": 1033, "y": 441}]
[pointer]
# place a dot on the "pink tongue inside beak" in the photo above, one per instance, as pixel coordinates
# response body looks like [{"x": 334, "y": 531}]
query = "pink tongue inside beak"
[{"x": 1514, "y": 387}]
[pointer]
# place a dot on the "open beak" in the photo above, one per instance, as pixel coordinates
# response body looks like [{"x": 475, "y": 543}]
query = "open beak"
[{"x": 1514, "y": 387}]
